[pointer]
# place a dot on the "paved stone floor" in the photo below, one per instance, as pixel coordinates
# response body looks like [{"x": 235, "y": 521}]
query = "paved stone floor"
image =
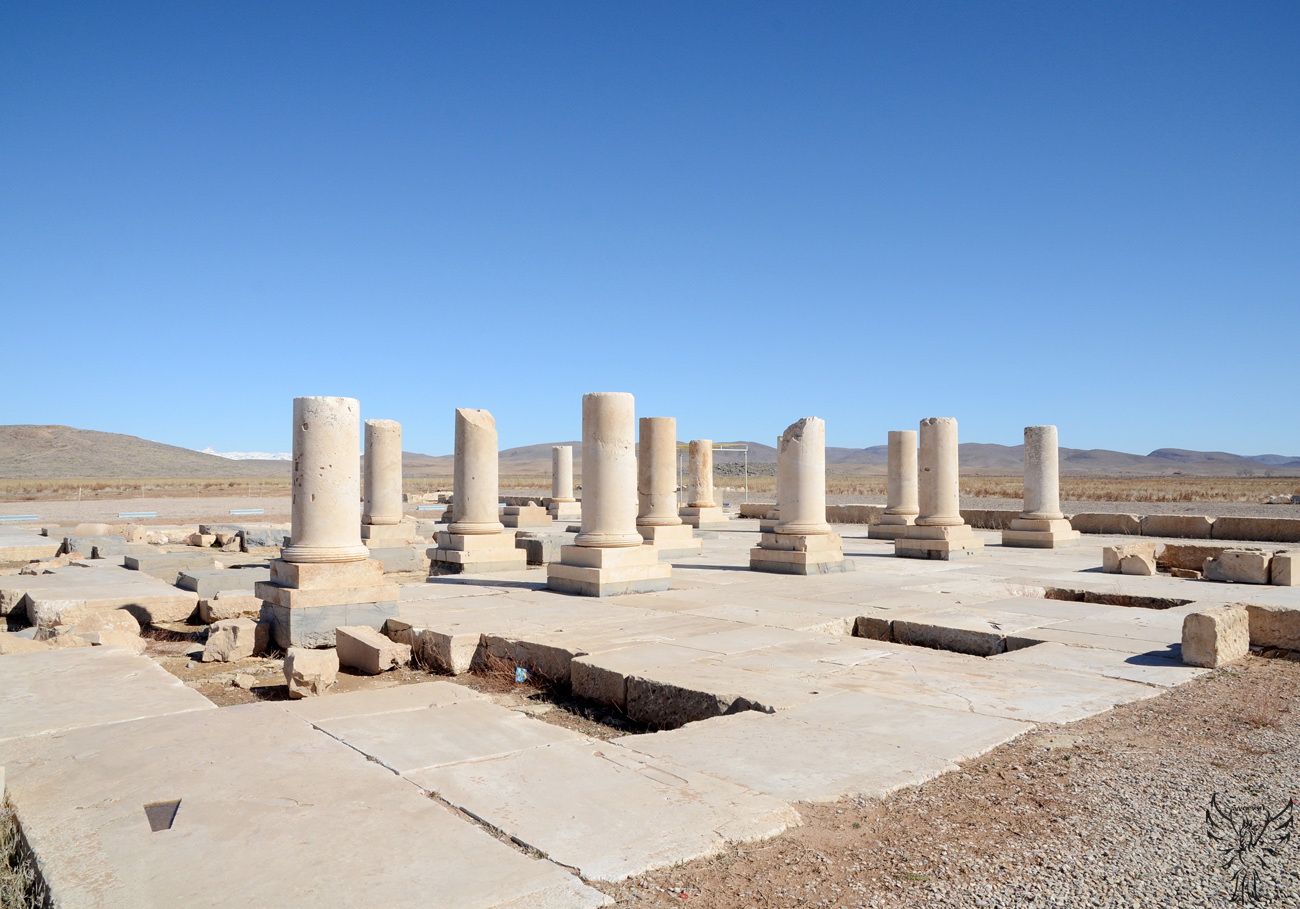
[{"x": 432, "y": 794}]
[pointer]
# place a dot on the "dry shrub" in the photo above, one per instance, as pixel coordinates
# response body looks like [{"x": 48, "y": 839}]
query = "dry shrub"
[{"x": 21, "y": 884}]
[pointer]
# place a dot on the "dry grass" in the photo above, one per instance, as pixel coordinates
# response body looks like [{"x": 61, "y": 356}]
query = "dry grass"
[
  {"x": 21, "y": 885},
  {"x": 91, "y": 488}
]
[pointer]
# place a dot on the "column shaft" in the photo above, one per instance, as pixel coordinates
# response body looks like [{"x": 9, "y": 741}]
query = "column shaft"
[
  {"x": 901, "y": 490},
  {"x": 326, "y": 503},
  {"x": 699, "y": 466},
  {"x": 562, "y": 473},
  {"x": 474, "y": 486},
  {"x": 1042, "y": 475},
  {"x": 939, "y": 493},
  {"x": 657, "y": 473},
  {"x": 609, "y": 502},
  {"x": 383, "y": 475},
  {"x": 801, "y": 478}
]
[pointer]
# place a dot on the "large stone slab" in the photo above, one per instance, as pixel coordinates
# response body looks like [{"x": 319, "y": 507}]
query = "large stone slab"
[
  {"x": 209, "y": 582},
  {"x": 1155, "y": 668},
  {"x": 67, "y": 595},
  {"x": 605, "y": 810},
  {"x": 855, "y": 743},
  {"x": 330, "y": 827},
  {"x": 18, "y": 544},
  {"x": 59, "y": 690}
]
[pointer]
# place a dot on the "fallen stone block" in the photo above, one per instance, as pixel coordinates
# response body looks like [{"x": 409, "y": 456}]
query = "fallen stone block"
[
  {"x": 1189, "y": 555},
  {"x": 102, "y": 628},
  {"x": 1274, "y": 626},
  {"x": 1187, "y": 573},
  {"x": 235, "y": 639},
  {"x": 368, "y": 651},
  {"x": 229, "y": 605},
  {"x": 256, "y": 537},
  {"x": 310, "y": 673},
  {"x": 1216, "y": 636},
  {"x": 1111, "y": 556},
  {"x": 204, "y": 540},
  {"x": 433, "y": 649},
  {"x": 1111, "y": 524},
  {"x": 13, "y": 643},
  {"x": 1137, "y": 563},
  {"x": 1241, "y": 566},
  {"x": 1191, "y": 526}
]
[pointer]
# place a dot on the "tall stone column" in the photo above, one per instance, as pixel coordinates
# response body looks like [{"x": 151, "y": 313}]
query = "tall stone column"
[
  {"x": 657, "y": 519},
  {"x": 802, "y": 541},
  {"x": 701, "y": 507},
  {"x": 563, "y": 506},
  {"x": 901, "y": 506},
  {"x": 608, "y": 557},
  {"x": 381, "y": 520},
  {"x": 326, "y": 501},
  {"x": 940, "y": 532},
  {"x": 324, "y": 578},
  {"x": 1041, "y": 525},
  {"x": 475, "y": 540}
]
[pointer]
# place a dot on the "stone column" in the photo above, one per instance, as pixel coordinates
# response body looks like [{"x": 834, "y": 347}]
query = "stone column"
[
  {"x": 801, "y": 473},
  {"x": 609, "y": 558},
  {"x": 1041, "y": 525},
  {"x": 940, "y": 492},
  {"x": 383, "y": 476},
  {"x": 657, "y": 473},
  {"x": 609, "y": 502},
  {"x": 326, "y": 482},
  {"x": 474, "y": 486},
  {"x": 940, "y": 532},
  {"x": 562, "y": 473},
  {"x": 901, "y": 507},
  {"x": 699, "y": 474},
  {"x": 1042, "y": 475}
]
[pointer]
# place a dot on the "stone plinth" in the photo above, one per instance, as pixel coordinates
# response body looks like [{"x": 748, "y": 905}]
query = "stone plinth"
[
  {"x": 801, "y": 542},
  {"x": 385, "y": 536},
  {"x": 475, "y": 541},
  {"x": 939, "y": 531},
  {"x": 609, "y": 557},
  {"x": 1041, "y": 525},
  {"x": 525, "y": 516},
  {"x": 901, "y": 491},
  {"x": 657, "y": 520},
  {"x": 703, "y": 517},
  {"x": 305, "y": 602},
  {"x": 565, "y": 512}
]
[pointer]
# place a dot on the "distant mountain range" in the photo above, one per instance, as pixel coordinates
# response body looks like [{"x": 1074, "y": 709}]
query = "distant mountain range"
[{"x": 50, "y": 452}]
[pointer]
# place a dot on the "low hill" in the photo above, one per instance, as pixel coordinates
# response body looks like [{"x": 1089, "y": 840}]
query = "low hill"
[{"x": 51, "y": 452}]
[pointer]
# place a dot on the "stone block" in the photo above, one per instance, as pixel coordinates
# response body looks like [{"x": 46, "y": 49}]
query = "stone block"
[
  {"x": 1110, "y": 524},
  {"x": 1190, "y": 526},
  {"x": 1285, "y": 570},
  {"x": 1111, "y": 555},
  {"x": 677, "y": 541},
  {"x": 1032, "y": 534},
  {"x": 322, "y": 575},
  {"x": 211, "y": 581},
  {"x": 313, "y": 626},
  {"x": 388, "y": 536},
  {"x": 235, "y": 639},
  {"x": 1269, "y": 530},
  {"x": 368, "y": 651},
  {"x": 1188, "y": 555},
  {"x": 443, "y": 651},
  {"x": 703, "y": 517},
  {"x": 1137, "y": 563},
  {"x": 1185, "y": 573},
  {"x": 525, "y": 516},
  {"x": 883, "y": 531},
  {"x": 541, "y": 548},
  {"x": 310, "y": 673},
  {"x": 259, "y": 537},
  {"x": 1216, "y": 636},
  {"x": 476, "y": 553},
  {"x": 13, "y": 643},
  {"x": 229, "y": 605},
  {"x": 292, "y": 597},
  {"x": 1274, "y": 626},
  {"x": 588, "y": 571},
  {"x": 1241, "y": 566},
  {"x": 402, "y": 558},
  {"x": 945, "y": 543}
]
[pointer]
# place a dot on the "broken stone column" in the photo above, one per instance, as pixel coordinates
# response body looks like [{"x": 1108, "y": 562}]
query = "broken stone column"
[
  {"x": 701, "y": 508},
  {"x": 381, "y": 519},
  {"x": 901, "y": 507},
  {"x": 608, "y": 557},
  {"x": 563, "y": 506},
  {"x": 475, "y": 541},
  {"x": 801, "y": 542},
  {"x": 657, "y": 519},
  {"x": 1041, "y": 525},
  {"x": 325, "y": 577},
  {"x": 939, "y": 531}
]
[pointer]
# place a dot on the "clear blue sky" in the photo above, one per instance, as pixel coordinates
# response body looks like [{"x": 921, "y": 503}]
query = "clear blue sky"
[{"x": 744, "y": 213}]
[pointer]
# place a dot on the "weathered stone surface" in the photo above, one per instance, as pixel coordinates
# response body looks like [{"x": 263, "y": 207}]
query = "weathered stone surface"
[
  {"x": 1109, "y": 524},
  {"x": 310, "y": 673},
  {"x": 1285, "y": 570},
  {"x": 1138, "y": 564},
  {"x": 107, "y": 627},
  {"x": 368, "y": 651},
  {"x": 1112, "y": 555},
  {"x": 1274, "y": 626},
  {"x": 1242, "y": 566},
  {"x": 13, "y": 643},
  {"x": 1191, "y": 556},
  {"x": 313, "y": 626},
  {"x": 1216, "y": 636},
  {"x": 211, "y": 581},
  {"x": 1186, "y": 573},
  {"x": 1193, "y": 526},
  {"x": 229, "y": 605},
  {"x": 1272, "y": 530},
  {"x": 235, "y": 639}
]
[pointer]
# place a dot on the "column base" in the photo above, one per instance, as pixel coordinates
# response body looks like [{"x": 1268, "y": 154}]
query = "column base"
[
  {"x": 1035, "y": 534},
  {"x": 565, "y": 511},
  {"x": 525, "y": 516},
  {"x": 590, "y": 572},
  {"x": 673, "y": 541},
  {"x": 799, "y": 553},
  {"x": 891, "y": 527},
  {"x": 386, "y": 536},
  {"x": 476, "y": 553},
  {"x": 305, "y": 602},
  {"x": 955, "y": 541},
  {"x": 703, "y": 517}
]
